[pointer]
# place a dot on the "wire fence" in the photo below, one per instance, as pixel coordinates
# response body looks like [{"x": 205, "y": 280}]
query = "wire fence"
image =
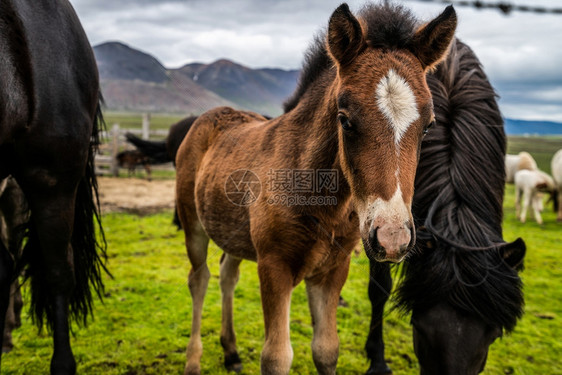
[{"x": 505, "y": 7}]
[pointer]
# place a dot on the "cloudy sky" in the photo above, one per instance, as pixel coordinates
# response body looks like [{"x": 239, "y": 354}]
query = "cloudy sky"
[{"x": 521, "y": 53}]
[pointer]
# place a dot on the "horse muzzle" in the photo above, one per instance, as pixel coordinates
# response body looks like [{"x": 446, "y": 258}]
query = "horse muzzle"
[{"x": 390, "y": 243}]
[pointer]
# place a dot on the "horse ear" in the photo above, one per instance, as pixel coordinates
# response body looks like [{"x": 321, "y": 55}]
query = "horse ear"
[
  {"x": 513, "y": 253},
  {"x": 431, "y": 41},
  {"x": 345, "y": 36}
]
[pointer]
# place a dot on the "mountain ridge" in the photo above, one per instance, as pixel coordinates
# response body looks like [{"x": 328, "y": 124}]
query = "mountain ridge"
[{"x": 133, "y": 80}]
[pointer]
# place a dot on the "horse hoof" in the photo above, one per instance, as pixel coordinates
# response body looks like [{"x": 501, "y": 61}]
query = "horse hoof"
[
  {"x": 192, "y": 370},
  {"x": 236, "y": 367},
  {"x": 379, "y": 370},
  {"x": 232, "y": 362}
]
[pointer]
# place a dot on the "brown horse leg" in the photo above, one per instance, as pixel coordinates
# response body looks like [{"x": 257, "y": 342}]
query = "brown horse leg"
[
  {"x": 229, "y": 274},
  {"x": 323, "y": 296},
  {"x": 276, "y": 286},
  {"x": 148, "y": 171},
  {"x": 196, "y": 241}
]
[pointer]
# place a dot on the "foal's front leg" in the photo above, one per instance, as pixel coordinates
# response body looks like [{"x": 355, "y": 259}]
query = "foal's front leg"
[
  {"x": 323, "y": 296},
  {"x": 276, "y": 287}
]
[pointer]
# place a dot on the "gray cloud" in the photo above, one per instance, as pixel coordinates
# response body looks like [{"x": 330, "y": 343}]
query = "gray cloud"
[{"x": 521, "y": 53}]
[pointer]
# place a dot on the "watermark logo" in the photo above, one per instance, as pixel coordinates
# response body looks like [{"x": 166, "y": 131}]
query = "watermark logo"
[
  {"x": 242, "y": 187},
  {"x": 287, "y": 187}
]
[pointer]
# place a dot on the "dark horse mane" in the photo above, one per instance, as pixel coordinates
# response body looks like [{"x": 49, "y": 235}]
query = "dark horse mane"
[
  {"x": 386, "y": 26},
  {"x": 458, "y": 202}
]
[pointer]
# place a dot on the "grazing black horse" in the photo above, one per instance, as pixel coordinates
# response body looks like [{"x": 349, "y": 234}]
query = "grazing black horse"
[
  {"x": 49, "y": 125},
  {"x": 462, "y": 285}
]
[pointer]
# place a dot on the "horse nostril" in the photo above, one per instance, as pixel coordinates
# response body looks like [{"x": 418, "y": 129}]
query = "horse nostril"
[{"x": 373, "y": 241}]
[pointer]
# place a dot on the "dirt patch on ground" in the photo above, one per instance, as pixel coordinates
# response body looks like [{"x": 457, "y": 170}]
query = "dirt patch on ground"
[{"x": 136, "y": 195}]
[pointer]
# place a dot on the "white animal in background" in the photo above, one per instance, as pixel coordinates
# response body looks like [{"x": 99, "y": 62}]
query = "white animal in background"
[
  {"x": 529, "y": 185},
  {"x": 556, "y": 167},
  {"x": 514, "y": 163}
]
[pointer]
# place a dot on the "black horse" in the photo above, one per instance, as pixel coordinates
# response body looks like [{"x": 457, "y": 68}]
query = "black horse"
[
  {"x": 159, "y": 152},
  {"x": 462, "y": 285},
  {"x": 49, "y": 125}
]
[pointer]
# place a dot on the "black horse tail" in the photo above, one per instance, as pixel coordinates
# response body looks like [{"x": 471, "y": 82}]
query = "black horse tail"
[
  {"x": 88, "y": 244},
  {"x": 88, "y": 239},
  {"x": 155, "y": 150}
]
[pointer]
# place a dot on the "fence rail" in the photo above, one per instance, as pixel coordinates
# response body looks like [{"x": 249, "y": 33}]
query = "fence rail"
[{"x": 115, "y": 142}]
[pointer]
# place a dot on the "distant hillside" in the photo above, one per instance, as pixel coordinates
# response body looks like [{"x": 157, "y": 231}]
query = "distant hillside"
[
  {"x": 121, "y": 62},
  {"x": 262, "y": 90},
  {"x": 132, "y": 80},
  {"x": 135, "y": 81},
  {"x": 522, "y": 127}
]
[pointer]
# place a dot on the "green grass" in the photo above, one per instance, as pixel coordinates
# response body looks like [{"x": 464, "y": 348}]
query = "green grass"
[
  {"x": 143, "y": 325},
  {"x": 134, "y": 120}
]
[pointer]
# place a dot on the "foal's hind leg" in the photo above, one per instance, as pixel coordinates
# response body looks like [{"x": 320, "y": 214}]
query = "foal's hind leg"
[
  {"x": 323, "y": 296},
  {"x": 229, "y": 274},
  {"x": 380, "y": 285},
  {"x": 196, "y": 242}
]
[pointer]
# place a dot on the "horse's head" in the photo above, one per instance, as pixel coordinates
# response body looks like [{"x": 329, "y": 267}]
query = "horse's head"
[
  {"x": 384, "y": 108},
  {"x": 449, "y": 341}
]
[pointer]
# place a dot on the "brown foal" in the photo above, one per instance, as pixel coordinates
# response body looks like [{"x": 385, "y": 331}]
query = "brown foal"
[{"x": 296, "y": 193}]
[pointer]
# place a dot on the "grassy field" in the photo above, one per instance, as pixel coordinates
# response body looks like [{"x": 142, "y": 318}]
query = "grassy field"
[
  {"x": 144, "y": 323},
  {"x": 134, "y": 121}
]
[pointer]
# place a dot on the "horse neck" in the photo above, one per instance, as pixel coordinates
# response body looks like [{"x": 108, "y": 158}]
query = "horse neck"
[{"x": 315, "y": 122}]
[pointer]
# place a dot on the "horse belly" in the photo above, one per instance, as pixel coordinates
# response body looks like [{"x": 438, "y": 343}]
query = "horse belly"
[{"x": 225, "y": 222}]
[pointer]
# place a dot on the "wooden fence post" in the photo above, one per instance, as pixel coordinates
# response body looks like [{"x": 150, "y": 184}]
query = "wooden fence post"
[
  {"x": 145, "y": 125},
  {"x": 115, "y": 150}
]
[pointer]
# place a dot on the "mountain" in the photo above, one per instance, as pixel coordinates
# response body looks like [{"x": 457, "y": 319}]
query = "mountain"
[
  {"x": 522, "y": 127},
  {"x": 261, "y": 90},
  {"x": 132, "y": 80},
  {"x": 117, "y": 61}
]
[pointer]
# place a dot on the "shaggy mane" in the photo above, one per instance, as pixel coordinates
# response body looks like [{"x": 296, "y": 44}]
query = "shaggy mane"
[{"x": 458, "y": 202}]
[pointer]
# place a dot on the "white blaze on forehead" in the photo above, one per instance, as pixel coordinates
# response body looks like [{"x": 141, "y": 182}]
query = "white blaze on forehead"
[
  {"x": 397, "y": 102},
  {"x": 394, "y": 210}
]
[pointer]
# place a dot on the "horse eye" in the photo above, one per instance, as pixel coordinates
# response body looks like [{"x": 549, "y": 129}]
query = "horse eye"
[
  {"x": 344, "y": 121},
  {"x": 426, "y": 130}
]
